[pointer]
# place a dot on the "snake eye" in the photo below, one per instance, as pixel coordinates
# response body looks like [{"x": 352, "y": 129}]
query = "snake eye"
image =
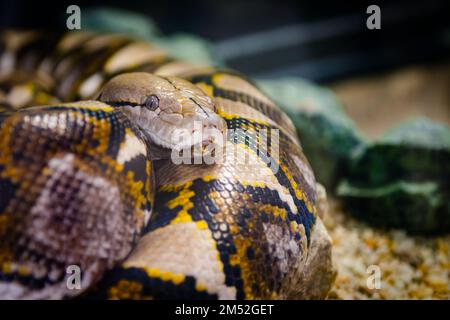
[{"x": 152, "y": 103}]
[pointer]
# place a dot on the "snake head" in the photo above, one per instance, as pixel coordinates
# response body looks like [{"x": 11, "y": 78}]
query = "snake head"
[{"x": 165, "y": 108}]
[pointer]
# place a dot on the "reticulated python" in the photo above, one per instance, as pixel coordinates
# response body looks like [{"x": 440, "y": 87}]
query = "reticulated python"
[{"x": 78, "y": 186}]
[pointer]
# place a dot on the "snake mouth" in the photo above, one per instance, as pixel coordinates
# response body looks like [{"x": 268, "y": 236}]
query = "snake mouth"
[{"x": 177, "y": 131}]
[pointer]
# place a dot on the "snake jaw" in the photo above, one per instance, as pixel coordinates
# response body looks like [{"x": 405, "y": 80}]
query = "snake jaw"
[{"x": 175, "y": 131}]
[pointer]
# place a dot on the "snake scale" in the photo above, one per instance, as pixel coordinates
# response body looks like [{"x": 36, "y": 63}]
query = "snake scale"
[{"x": 89, "y": 184}]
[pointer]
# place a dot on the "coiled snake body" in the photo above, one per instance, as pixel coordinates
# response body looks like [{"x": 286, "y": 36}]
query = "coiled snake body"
[{"x": 87, "y": 184}]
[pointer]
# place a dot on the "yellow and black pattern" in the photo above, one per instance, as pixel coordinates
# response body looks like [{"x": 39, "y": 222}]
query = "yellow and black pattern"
[
  {"x": 228, "y": 230},
  {"x": 65, "y": 171},
  {"x": 231, "y": 230}
]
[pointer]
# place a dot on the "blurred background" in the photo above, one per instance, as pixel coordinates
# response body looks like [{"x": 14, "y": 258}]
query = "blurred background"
[
  {"x": 319, "y": 40},
  {"x": 324, "y": 41}
]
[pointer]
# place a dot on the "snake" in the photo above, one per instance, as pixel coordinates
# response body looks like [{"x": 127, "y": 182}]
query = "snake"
[{"x": 92, "y": 179}]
